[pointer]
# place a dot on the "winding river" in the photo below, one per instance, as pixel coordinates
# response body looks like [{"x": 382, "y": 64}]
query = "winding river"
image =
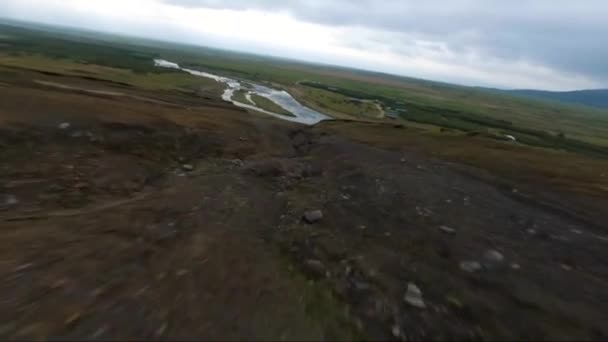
[{"x": 282, "y": 98}]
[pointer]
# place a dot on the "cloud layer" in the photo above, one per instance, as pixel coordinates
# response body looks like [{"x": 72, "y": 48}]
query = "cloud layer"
[{"x": 553, "y": 44}]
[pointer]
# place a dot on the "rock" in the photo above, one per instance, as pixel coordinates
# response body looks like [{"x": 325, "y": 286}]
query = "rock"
[
  {"x": 566, "y": 267},
  {"x": 493, "y": 256},
  {"x": 470, "y": 266},
  {"x": 237, "y": 162},
  {"x": 161, "y": 330},
  {"x": 9, "y": 200},
  {"x": 75, "y": 317},
  {"x": 188, "y": 167},
  {"x": 361, "y": 285},
  {"x": 313, "y": 216},
  {"x": 413, "y": 296},
  {"x": 515, "y": 266},
  {"x": 315, "y": 266},
  {"x": 447, "y": 229},
  {"x": 64, "y": 125},
  {"x": 182, "y": 273},
  {"x": 81, "y": 185},
  {"x": 396, "y": 331}
]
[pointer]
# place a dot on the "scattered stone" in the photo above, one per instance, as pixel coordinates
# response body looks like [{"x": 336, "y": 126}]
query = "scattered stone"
[
  {"x": 361, "y": 286},
  {"x": 403, "y": 160},
  {"x": 59, "y": 283},
  {"x": 161, "y": 330},
  {"x": 243, "y": 139},
  {"x": 515, "y": 266},
  {"x": 454, "y": 301},
  {"x": 9, "y": 200},
  {"x": 576, "y": 231},
  {"x": 24, "y": 267},
  {"x": 188, "y": 167},
  {"x": 531, "y": 231},
  {"x": 182, "y": 273},
  {"x": 64, "y": 125},
  {"x": 315, "y": 266},
  {"x": 566, "y": 267},
  {"x": 396, "y": 331},
  {"x": 493, "y": 256},
  {"x": 470, "y": 266},
  {"x": 313, "y": 216},
  {"x": 81, "y": 185},
  {"x": 602, "y": 238},
  {"x": 559, "y": 237},
  {"x": 413, "y": 296},
  {"x": 73, "y": 318},
  {"x": 142, "y": 291},
  {"x": 97, "y": 334},
  {"x": 447, "y": 229},
  {"x": 237, "y": 162},
  {"x": 387, "y": 234},
  {"x": 425, "y": 212}
]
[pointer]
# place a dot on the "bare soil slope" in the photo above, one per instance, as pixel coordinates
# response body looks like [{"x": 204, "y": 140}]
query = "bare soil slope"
[{"x": 182, "y": 218}]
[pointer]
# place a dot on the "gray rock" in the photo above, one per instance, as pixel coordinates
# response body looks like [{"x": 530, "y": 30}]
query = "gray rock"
[
  {"x": 313, "y": 216},
  {"x": 315, "y": 266},
  {"x": 470, "y": 266},
  {"x": 8, "y": 200},
  {"x": 515, "y": 266},
  {"x": 64, "y": 125},
  {"x": 447, "y": 229},
  {"x": 188, "y": 167},
  {"x": 396, "y": 331},
  {"x": 493, "y": 256},
  {"x": 413, "y": 296}
]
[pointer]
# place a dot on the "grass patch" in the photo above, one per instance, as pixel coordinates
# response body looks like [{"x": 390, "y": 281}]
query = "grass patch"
[
  {"x": 270, "y": 106},
  {"x": 337, "y": 104},
  {"x": 239, "y": 96},
  {"x": 175, "y": 80},
  {"x": 559, "y": 126}
]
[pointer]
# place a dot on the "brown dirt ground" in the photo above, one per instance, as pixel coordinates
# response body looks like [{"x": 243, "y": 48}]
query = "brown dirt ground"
[{"x": 111, "y": 239}]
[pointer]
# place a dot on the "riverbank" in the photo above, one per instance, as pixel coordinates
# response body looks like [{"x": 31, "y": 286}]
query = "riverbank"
[{"x": 277, "y": 103}]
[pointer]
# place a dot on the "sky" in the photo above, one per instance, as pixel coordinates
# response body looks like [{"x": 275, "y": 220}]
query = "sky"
[{"x": 540, "y": 44}]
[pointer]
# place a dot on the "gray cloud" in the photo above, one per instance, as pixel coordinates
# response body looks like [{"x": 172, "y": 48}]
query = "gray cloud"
[{"x": 567, "y": 36}]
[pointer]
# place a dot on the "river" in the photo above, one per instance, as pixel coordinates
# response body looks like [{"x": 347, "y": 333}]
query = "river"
[{"x": 282, "y": 98}]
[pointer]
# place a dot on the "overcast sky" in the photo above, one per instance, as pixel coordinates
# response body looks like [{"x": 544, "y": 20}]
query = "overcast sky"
[{"x": 547, "y": 44}]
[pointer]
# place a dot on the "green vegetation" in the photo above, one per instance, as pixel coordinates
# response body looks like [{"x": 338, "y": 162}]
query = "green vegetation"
[
  {"x": 270, "y": 106},
  {"x": 330, "y": 89},
  {"x": 239, "y": 96},
  {"x": 336, "y": 104}
]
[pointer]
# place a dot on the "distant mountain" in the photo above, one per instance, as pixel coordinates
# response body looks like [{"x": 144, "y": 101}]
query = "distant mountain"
[{"x": 594, "y": 98}]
